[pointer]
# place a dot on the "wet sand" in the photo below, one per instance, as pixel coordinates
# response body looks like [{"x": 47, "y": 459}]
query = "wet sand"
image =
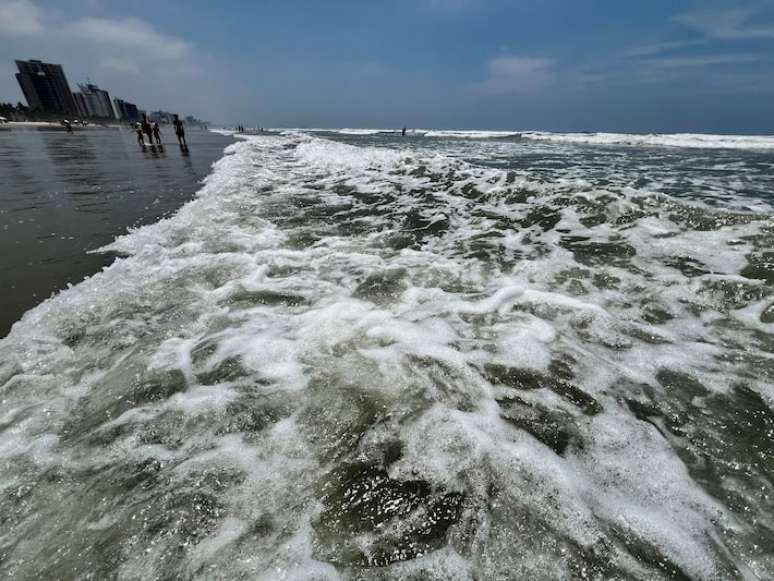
[{"x": 63, "y": 195}]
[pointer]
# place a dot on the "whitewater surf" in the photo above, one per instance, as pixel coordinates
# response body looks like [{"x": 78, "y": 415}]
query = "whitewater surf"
[{"x": 368, "y": 360}]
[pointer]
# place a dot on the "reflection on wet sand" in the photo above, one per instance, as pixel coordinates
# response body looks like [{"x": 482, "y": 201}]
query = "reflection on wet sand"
[{"x": 62, "y": 195}]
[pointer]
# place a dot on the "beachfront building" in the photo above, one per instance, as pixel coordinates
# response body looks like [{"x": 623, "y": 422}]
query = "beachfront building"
[
  {"x": 191, "y": 120},
  {"x": 80, "y": 102},
  {"x": 126, "y": 111},
  {"x": 94, "y": 102},
  {"x": 45, "y": 87},
  {"x": 161, "y": 116}
]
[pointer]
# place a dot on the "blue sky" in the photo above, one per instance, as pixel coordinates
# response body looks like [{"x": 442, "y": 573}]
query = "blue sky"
[{"x": 573, "y": 65}]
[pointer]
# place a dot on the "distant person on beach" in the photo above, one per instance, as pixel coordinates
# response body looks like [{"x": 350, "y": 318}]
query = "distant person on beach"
[
  {"x": 147, "y": 129},
  {"x": 179, "y": 131},
  {"x": 403, "y": 133},
  {"x": 138, "y": 130},
  {"x": 157, "y": 133}
]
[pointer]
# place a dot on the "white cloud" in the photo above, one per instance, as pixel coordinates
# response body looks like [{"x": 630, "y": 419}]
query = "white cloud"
[
  {"x": 661, "y": 47},
  {"x": 120, "y": 65},
  {"x": 704, "y": 61},
  {"x": 130, "y": 34},
  {"x": 516, "y": 74},
  {"x": 733, "y": 24},
  {"x": 669, "y": 61},
  {"x": 592, "y": 78},
  {"x": 19, "y": 18}
]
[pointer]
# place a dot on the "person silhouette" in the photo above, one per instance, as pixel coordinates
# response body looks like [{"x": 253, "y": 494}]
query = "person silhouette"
[
  {"x": 157, "y": 133},
  {"x": 138, "y": 130},
  {"x": 146, "y": 129},
  {"x": 180, "y": 132}
]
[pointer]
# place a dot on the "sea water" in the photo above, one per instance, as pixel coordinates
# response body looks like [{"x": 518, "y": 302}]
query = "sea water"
[{"x": 462, "y": 356}]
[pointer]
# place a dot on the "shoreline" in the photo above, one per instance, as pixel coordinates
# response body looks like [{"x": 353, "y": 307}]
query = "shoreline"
[
  {"x": 118, "y": 187},
  {"x": 56, "y": 125}
]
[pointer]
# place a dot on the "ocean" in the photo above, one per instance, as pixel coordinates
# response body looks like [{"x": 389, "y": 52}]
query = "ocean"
[{"x": 455, "y": 356}]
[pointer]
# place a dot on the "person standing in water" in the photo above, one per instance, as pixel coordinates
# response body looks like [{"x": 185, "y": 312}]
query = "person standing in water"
[
  {"x": 403, "y": 133},
  {"x": 180, "y": 132},
  {"x": 157, "y": 133},
  {"x": 146, "y": 129},
  {"x": 138, "y": 130}
]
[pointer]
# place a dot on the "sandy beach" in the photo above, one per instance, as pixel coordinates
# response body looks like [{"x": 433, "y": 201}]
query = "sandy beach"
[{"x": 56, "y": 125}]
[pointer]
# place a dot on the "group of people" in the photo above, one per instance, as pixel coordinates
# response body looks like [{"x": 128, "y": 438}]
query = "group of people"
[
  {"x": 68, "y": 125},
  {"x": 241, "y": 129},
  {"x": 153, "y": 132}
]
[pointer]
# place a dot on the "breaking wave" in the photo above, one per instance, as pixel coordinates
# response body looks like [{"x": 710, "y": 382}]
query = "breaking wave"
[
  {"x": 681, "y": 140},
  {"x": 686, "y": 140},
  {"x": 346, "y": 362}
]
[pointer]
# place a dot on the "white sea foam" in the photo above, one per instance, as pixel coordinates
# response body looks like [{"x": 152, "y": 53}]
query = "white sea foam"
[
  {"x": 475, "y": 134},
  {"x": 682, "y": 140},
  {"x": 688, "y": 140},
  {"x": 512, "y": 364}
]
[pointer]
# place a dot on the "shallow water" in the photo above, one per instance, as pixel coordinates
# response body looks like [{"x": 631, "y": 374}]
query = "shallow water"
[
  {"x": 62, "y": 195},
  {"x": 354, "y": 357}
]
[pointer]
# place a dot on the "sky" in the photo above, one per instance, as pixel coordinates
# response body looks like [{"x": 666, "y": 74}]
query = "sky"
[{"x": 557, "y": 65}]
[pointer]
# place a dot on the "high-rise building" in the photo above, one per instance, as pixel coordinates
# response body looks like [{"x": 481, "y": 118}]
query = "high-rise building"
[
  {"x": 191, "y": 120},
  {"x": 80, "y": 102},
  {"x": 126, "y": 111},
  {"x": 94, "y": 102},
  {"x": 45, "y": 87},
  {"x": 119, "y": 106},
  {"x": 161, "y": 116}
]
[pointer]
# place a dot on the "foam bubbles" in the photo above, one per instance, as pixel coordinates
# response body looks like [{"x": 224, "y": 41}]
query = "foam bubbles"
[{"x": 344, "y": 362}]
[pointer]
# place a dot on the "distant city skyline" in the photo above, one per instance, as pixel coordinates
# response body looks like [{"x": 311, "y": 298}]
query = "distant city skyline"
[
  {"x": 690, "y": 65},
  {"x": 47, "y": 91}
]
